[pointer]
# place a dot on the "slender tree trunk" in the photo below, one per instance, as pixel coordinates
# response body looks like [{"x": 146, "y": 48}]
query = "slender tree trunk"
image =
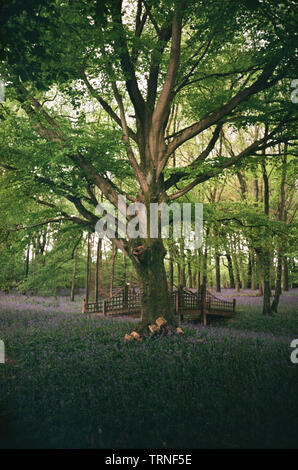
[
  {"x": 242, "y": 271},
  {"x": 204, "y": 262},
  {"x": 256, "y": 187},
  {"x": 114, "y": 256},
  {"x": 98, "y": 268},
  {"x": 194, "y": 279},
  {"x": 171, "y": 274},
  {"x": 217, "y": 270},
  {"x": 217, "y": 255},
  {"x": 199, "y": 268},
  {"x": 73, "y": 280},
  {"x": 265, "y": 251},
  {"x": 27, "y": 261},
  {"x": 253, "y": 271},
  {"x": 260, "y": 273},
  {"x": 249, "y": 270},
  {"x": 203, "y": 288},
  {"x": 237, "y": 276},
  {"x": 124, "y": 268},
  {"x": 179, "y": 274},
  {"x": 36, "y": 253},
  {"x": 265, "y": 262},
  {"x": 181, "y": 270},
  {"x": 131, "y": 277},
  {"x": 182, "y": 279},
  {"x": 282, "y": 217},
  {"x": 87, "y": 290},
  {"x": 231, "y": 272},
  {"x": 285, "y": 274},
  {"x": 277, "y": 292},
  {"x": 189, "y": 274}
]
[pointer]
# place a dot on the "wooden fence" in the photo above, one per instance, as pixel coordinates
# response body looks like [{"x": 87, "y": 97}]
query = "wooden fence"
[{"x": 127, "y": 301}]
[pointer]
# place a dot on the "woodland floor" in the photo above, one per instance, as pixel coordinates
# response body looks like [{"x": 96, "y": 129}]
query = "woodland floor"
[{"x": 70, "y": 381}]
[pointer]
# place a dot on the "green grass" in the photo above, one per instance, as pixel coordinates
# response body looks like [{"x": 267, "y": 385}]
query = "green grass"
[{"x": 75, "y": 383}]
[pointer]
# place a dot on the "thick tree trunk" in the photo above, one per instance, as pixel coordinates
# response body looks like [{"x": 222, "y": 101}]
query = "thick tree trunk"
[{"x": 156, "y": 301}]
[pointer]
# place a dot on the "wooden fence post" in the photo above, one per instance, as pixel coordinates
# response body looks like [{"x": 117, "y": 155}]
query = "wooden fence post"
[
  {"x": 234, "y": 305},
  {"x": 104, "y": 310},
  {"x": 84, "y": 306}
]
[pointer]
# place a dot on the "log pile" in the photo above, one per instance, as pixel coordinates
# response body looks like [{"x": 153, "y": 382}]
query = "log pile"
[{"x": 160, "y": 327}]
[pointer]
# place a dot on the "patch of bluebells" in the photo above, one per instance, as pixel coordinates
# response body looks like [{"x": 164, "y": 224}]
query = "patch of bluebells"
[
  {"x": 249, "y": 313},
  {"x": 70, "y": 381}
]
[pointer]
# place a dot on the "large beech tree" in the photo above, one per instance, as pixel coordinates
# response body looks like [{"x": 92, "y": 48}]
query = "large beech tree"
[{"x": 136, "y": 61}]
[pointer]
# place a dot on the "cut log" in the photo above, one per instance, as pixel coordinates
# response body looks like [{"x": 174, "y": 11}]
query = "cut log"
[
  {"x": 179, "y": 331},
  {"x": 161, "y": 322},
  {"x": 128, "y": 337},
  {"x": 135, "y": 335},
  {"x": 153, "y": 328}
]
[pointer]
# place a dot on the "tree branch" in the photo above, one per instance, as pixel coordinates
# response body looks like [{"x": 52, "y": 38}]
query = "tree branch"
[
  {"x": 161, "y": 109},
  {"x": 126, "y": 62},
  {"x": 212, "y": 118},
  {"x": 139, "y": 174},
  {"x": 106, "y": 106},
  {"x": 176, "y": 177},
  {"x": 257, "y": 145}
]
